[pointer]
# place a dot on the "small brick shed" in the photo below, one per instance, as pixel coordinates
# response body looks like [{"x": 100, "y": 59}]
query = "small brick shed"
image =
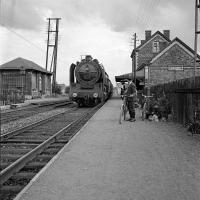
[{"x": 23, "y": 79}]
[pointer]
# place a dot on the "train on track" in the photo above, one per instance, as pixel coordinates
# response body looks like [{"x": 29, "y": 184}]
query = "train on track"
[{"x": 89, "y": 82}]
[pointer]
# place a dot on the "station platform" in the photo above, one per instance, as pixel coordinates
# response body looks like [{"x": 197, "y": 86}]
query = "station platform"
[{"x": 106, "y": 160}]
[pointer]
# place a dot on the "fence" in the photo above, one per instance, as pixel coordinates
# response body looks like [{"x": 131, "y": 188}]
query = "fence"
[
  {"x": 183, "y": 96},
  {"x": 8, "y": 97},
  {"x": 12, "y": 88}
]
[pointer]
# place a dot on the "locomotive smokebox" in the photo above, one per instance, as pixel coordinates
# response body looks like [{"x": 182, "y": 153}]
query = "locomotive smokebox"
[{"x": 88, "y": 72}]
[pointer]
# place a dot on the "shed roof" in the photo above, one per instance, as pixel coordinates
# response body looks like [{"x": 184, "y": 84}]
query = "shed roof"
[{"x": 18, "y": 63}]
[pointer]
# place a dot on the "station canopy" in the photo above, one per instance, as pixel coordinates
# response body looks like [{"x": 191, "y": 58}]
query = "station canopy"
[{"x": 121, "y": 78}]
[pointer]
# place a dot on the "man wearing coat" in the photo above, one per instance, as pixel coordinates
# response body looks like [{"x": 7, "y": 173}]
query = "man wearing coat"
[{"x": 131, "y": 99}]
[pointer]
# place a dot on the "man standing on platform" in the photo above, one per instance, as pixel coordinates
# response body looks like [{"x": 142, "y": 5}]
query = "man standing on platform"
[{"x": 131, "y": 99}]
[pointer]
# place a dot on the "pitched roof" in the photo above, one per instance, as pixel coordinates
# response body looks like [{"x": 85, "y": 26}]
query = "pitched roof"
[
  {"x": 173, "y": 42},
  {"x": 18, "y": 63},
  {"x": 142, "y": 66},
  {"x": 143, "y": 44}
]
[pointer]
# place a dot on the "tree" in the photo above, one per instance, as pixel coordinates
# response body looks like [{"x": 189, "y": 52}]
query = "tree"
[{"x": 57, "y": 89}]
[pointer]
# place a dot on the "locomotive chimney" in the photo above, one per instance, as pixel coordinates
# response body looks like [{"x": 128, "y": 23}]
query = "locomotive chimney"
[{"x": 88, "y": 58}]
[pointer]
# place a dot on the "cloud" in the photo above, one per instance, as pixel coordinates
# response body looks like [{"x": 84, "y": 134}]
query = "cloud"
[
  {"x": 120, "y": 15},
  {"x": 102, "y": 28},
  {"x": 20, "y": 14},
  {"x": 97, "y": 39}
]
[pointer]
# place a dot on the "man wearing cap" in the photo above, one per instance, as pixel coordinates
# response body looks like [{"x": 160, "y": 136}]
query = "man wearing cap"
[
  {"x": 131, "y": 99},
  {"x": 124, "y": 87}
]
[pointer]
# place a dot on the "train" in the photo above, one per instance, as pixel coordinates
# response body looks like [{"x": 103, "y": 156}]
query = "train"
[{"x": 89, "y": 82}]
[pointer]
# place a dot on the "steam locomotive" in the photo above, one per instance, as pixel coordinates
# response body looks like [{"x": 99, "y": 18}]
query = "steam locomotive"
[{"x": 89, "y": 83}]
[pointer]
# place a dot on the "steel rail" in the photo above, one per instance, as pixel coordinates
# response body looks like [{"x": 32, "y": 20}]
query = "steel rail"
[
  {"x": 21, "y": 162},
  {"x": 29, "y": 126}
]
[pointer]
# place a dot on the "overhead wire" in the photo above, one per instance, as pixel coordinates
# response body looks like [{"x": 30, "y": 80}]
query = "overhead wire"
[
  {"x": 23, "y": 38},
  {"x": 149, "y": 19},
  {"x": 142, "y": 18},
  {"x": 149, "y": 7},
  {"x": 3, "y": 19}
]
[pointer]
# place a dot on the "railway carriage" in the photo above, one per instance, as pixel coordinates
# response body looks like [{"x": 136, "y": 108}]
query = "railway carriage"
[{"x": 89, "y": 82}]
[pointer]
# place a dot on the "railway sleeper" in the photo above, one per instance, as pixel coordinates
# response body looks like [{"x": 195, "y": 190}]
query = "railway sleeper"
[
  {"x": 14, "y": 181},
  {"x": 16, "y": 151},
  {"x": 23, "y": 141},
  {"x": 17, "y": 145},
  {"x": 9, "y": 157},
  {"x": 24, "y": 174},
  {"x": 28, "y": 137},
  {"x": 51, "y": 150},
  {"x": 10, "y": 189},
  {"x": 35, "y": 131},
  {"x": 43, "y": 157},
  {"x": 34, "y": 165},
  {"x": 26, "y": 134}
]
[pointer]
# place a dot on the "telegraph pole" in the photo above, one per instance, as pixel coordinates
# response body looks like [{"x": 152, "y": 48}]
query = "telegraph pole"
[
  {"x": 134, "y": 63},
  {"x": 197, "y": 6},
  {"x": 53, "y": 34}
]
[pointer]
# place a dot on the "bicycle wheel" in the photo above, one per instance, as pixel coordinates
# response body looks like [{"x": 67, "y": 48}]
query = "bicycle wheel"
[
  {"x": 143, "y": 115},
  {"x": 144, "y": 112},
  {"x": 121, "y": 115},
  {"x": 124, "y": 111}
]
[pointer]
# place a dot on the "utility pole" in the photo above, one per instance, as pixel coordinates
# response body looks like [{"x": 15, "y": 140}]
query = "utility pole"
[
  {"x": 134, "y": 62},
  {"x": 197, "y": 6},
  {"x": 53, "y": 34}
]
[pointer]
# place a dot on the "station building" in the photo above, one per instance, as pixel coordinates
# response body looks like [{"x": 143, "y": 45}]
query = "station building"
[
  {"x": 161, "y": 60},
  {"x": 22, "y": 79}
]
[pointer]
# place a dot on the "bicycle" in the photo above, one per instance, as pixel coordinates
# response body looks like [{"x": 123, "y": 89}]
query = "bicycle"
[
  {"x": 145, "y": 107},
  {"x": 194, "y": 126},
  {"x": 123, "y": 110}
]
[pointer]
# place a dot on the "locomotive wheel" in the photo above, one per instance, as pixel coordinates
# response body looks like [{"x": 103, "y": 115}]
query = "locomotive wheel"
[{"x": 80, "y": 104}]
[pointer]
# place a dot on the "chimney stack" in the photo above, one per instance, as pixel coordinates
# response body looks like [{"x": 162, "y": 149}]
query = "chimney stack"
[
  {"x": 147, "y": 35},
  {"x": 166, "y": 33},
  {"x": 142, "y": 41}
]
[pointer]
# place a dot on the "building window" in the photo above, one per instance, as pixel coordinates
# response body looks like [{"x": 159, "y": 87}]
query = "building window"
[{"x": 156, "y": 48}]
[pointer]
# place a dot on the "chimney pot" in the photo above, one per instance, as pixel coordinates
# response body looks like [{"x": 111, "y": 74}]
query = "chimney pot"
[
  {"x": 147, "y": 34},
  {"x": 166, "y": 33}
]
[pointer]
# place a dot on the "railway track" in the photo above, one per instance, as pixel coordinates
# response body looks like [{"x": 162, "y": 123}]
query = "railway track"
[
  {"x": 25, "y": 152},
  {"x": 23, "y": 112}
]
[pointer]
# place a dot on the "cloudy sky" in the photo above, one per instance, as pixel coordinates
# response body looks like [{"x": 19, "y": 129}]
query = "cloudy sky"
[{"x": 102, "y": 28}]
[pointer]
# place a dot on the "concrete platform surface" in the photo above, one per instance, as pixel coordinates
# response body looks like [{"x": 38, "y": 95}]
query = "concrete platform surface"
[{"x": 139, "y": 160}]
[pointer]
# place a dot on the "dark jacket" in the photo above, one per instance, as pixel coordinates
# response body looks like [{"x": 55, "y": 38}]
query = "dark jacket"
[{"x": 131, "y": 90}]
